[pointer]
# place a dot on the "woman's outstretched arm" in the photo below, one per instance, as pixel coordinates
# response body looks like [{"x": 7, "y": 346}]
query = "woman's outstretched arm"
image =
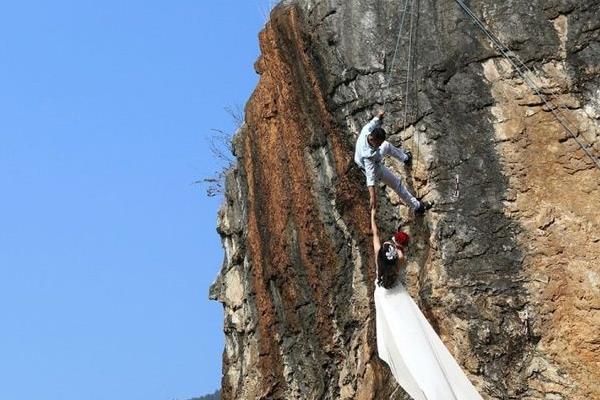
[{"x": 376, "y": 241}]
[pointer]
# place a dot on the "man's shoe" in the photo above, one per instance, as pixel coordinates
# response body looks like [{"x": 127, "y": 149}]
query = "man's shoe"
[
  {"x": 423, "y": 206},
  {"x": 408, "y": 159}
]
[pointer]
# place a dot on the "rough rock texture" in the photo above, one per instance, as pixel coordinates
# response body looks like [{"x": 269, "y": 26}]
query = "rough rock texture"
[{"x": 506, "y": 266}]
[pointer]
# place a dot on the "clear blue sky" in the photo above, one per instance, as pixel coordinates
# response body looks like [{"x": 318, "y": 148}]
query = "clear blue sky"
[{"x": 107, "y": 249}]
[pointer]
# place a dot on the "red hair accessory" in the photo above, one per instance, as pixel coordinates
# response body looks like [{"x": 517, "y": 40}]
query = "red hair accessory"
[{"x": 401, "y": 239}]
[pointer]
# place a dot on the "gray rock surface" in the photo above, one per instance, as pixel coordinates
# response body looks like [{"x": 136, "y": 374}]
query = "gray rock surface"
[{"x": 507, "y": 264}]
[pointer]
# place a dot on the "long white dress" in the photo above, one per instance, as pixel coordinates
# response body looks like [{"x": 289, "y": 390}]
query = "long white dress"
[{"x": 418, "y": 359}]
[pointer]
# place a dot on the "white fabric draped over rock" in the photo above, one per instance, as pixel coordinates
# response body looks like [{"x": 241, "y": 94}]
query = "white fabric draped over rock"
[{"x": 418, "y": 359}]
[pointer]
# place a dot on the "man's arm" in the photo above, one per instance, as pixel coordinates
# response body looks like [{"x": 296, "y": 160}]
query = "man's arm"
[
  {"x": 370, "y": 175},
  {"x": 372, "y": 198},
  {"x": 375, "y": 122}
]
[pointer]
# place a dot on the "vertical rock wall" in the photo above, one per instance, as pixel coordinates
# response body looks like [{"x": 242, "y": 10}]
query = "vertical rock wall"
[{"x": 506, "y": 266}]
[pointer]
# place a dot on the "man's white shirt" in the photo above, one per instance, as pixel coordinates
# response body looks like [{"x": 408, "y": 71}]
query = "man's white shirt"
[{"x": 368, "y": 158}]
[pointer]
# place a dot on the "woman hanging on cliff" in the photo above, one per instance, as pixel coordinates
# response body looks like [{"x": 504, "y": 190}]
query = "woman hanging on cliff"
[{"x": 417, "y": 358}]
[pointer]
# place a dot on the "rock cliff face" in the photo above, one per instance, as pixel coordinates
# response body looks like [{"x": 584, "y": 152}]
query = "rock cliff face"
[{"x": 507, "y": 264}]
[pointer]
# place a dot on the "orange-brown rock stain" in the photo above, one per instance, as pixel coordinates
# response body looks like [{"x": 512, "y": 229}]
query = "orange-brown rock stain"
[{"x": 285, "y": 116}]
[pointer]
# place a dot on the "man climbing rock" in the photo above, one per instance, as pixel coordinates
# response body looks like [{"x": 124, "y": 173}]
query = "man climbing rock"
[{"x": 371, "y": 146}]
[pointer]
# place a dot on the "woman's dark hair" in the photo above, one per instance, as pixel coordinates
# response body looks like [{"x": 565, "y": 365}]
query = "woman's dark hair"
[{"x": 386, "y": 269}]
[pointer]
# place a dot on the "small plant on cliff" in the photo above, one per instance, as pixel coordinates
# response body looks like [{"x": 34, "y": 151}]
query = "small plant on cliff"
[
  {"x": 215, "y": 396},
  {"x": 221, "y": 147},
  {"x": 265, "y": 7}
]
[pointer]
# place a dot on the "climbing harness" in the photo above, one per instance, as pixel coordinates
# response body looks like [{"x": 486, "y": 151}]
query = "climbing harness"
[{"x": 521, "y": 69}]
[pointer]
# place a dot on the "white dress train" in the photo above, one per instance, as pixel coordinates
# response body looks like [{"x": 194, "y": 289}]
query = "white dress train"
[{"x": 418, "y": 359}]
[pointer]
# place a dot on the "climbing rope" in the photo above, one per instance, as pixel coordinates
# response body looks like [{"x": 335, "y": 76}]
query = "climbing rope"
[
  {"x": 511, "y": 57},
  {"x": 409, "y": 78},
  {"x": 408, "y": 64},
  {"x": 389, "y": 78}
]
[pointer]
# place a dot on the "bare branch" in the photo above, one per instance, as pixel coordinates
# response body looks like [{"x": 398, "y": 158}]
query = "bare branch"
[
  {"x": 220, "y": 143},
  {"x": 237, "y": 114},
  {"x": 221, "y": 147}
]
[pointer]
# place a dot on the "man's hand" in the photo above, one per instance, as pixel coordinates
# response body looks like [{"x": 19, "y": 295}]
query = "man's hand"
[{"x": 380, "y": 114}]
